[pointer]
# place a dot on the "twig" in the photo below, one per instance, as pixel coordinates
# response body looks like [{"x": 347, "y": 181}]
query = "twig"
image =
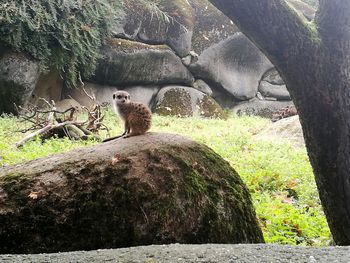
[
  {"x": 44, "y": 130},
  {"x": 92, "y": 97}
]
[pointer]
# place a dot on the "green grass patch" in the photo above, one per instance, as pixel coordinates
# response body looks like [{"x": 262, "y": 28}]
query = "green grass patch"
[{"x": 277, "y": 174}]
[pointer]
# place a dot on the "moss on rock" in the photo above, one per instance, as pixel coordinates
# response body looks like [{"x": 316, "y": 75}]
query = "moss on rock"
[
  {"x": 151, "y": 189},
  {"x": 185, "y": 101}
]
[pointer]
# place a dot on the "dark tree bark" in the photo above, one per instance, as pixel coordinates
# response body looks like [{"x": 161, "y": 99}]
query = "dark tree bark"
[{"x": 314, "y": 60}]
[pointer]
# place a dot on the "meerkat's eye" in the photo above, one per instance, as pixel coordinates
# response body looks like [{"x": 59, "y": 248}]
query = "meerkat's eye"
[
  {"x": 114, "y": 96},
  {"x": 119, "y": 97}
]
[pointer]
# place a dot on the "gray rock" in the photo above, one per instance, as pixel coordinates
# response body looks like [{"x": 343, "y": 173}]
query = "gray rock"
[
  {"x": 186, "y": 60},
  {"x": 235, "y": 65},
  {"x": 272, "y": 76},
  {"x": 261, "y": 108},
  {"x": 18, "y": 77},
  {"x": 259, "y": 96},
  {"x": 303, "y": 8},
  {"x": 103, "y": 94},
  {"x": 66, "y": 104},
  {"x": 208, "y": 253},
  {"x": 224, "y": 98},
  {"x": 185, "y": 101},
  {"x": 279, "y": 92},
  {"x": 49, "y": 86},
  {"x": 170, "y": 23},
  {"x": 127, "y": 63},
  {"x": 202, "y": 86},
  {"x": 211, "y": 25},
  {"x": 144, "y": 94},
  {"x": 191, "y": 58}
]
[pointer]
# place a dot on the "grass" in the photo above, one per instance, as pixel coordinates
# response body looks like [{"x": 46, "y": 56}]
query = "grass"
[{"x": 278, "y": 175}]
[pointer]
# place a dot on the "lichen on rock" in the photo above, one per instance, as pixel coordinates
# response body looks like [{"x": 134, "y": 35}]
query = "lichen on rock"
[{"x": 185, "y": 102}]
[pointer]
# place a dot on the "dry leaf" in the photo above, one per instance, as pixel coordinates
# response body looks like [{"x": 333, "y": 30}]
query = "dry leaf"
[
  {"x": 116, "y": 158},
  {"x": 33, "y": 195}
]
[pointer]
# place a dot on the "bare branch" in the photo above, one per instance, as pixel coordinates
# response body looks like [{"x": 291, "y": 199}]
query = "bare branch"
[{"x": 44, "y": 130}]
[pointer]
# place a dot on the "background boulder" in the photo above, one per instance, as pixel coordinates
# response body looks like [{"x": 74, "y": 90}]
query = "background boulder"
[
  {"x": 184, "y": 102},
  {"x": 234, "y": 65},
  {"x": 150, "y": 189},
  {"x": 169, "y": 22},
  {"x": 132, "y": 63},
  {"x": 18, "y": 77},
  {"x": 188, "y": 43}
]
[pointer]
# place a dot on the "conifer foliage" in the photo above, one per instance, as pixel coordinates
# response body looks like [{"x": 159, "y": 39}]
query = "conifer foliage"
[{"x": 62, "y": 34}]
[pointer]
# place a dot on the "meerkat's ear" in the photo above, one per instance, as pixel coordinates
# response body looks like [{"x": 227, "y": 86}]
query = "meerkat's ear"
[{"x": 114, "y": 96}]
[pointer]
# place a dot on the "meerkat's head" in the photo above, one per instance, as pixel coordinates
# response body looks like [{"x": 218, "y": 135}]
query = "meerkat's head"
[{"x": 121, "y": 97}]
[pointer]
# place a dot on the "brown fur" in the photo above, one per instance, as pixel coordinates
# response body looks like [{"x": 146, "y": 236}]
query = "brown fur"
[{"x": 137, "y": 116}]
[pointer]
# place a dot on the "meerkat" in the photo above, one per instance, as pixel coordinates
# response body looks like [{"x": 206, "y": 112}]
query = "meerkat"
[{"x": 136, "y": 116}]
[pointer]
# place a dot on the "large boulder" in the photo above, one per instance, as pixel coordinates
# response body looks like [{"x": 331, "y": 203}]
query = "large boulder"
[
  {"x": 185, "y": 101},
  {"x": 235, "y": 65},
  {"x": 169, "y": 22},
  {"x": 150, "y": 189},
  {"x": 131, "y": 63},
  {"x": 211, "y": 25},
  {"x": 18, "y": 77}
]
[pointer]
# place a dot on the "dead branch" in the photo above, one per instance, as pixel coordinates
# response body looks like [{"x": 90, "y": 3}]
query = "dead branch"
[
  {"x": 44, "y": 130},
  {"x": 50, "y": 122}
]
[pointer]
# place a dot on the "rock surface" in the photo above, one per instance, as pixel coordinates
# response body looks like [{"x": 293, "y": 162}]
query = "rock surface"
[
  {"x": 49, "y": 86},
  {"x": 150, "y": 189},
  {"x": 131, "y": 63},
  {"x": 18, "y": 77},
  {"x": 279, "y": 92},
  {"x": 161, "y": 43},
  {"x": 235, "y": 65},
  {"x": 209, "y": 253},
  {"x": 184, "y": 102},
  {"x": 170, "y": 23},
  {"x": 103, "y": 93},
  {"x": 211, "y": 26},
  {"x": 285, "y": 129},
  {"x": 262, "y": 108}
]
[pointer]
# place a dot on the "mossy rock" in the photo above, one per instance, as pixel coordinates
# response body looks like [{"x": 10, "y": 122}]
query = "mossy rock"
[
  {"x": 185, "y": 102},
  {"x": 211, "y": 25},
  {"x": 150, "y": 189}
]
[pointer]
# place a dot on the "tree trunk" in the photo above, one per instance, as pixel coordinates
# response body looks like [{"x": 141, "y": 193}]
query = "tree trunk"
[{"x": 314, "y": 61}]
